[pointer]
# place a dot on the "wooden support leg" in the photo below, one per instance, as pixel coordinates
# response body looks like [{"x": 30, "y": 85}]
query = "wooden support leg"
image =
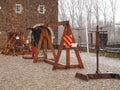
[
  {"x": 76, "y": 50},
  {"x": 78, "y": 57},
  {"x": 37, "y": 49},
  {"x": 50, "y": 44},
  {"x": 67, "y": 58},
  {"x": 58, "y": 55},
  {"x": 45, "y": 48}
]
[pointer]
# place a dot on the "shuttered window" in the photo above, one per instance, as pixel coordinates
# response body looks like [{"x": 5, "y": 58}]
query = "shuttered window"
[
  {"x": 18, "y": 8},
  {"x": 41, "y": 9}
]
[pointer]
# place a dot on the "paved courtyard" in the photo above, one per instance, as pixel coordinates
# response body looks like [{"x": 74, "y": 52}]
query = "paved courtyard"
[{"x": 17, "y": 73}]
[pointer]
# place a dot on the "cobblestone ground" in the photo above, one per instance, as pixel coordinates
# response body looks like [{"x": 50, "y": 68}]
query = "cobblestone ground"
[{"x": 17, "y": 73}]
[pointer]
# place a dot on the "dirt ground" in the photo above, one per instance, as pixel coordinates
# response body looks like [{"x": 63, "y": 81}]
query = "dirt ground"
[{"x": 17, "y": 73}]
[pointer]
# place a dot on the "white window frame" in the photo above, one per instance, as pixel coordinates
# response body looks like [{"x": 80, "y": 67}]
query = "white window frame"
[
  {"x": 18, "y": 11},
  {"x": 41, "y": 9}
]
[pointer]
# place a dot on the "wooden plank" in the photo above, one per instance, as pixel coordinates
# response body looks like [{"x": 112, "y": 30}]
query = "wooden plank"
[
  {"x": 58, "y": 54},
  {"x": 59, "y": 51},
  {"x": 56, "y": 24},
  {"x": 50, "y": 44},
  {"x": 68, "y": 57},
  {"x": 37, "y": 50},
  {"x": 45, "y": 45}
]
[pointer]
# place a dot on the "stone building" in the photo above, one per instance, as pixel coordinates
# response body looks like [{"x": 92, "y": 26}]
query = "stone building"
[{"x": 18, "y": 15}]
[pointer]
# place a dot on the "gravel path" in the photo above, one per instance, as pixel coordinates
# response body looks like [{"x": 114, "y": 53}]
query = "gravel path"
[{"x": 17, "y": 73}]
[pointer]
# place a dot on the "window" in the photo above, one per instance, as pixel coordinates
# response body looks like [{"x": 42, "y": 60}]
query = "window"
[
  {"x": 41, "y": 9},
  {"x": 18, "y": 8}
]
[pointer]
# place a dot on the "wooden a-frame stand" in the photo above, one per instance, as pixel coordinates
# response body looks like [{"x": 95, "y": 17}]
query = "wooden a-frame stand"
[
  {"x": 67, "y": 31},
  {"x": 44, "y": 37}
]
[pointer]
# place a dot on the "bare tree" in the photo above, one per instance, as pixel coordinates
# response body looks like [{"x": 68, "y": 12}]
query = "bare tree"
[
  {"x": 88, "y": 7},
  {"x": 104, "y": 10},
  {"x": 79, "y": 13},
  {"x": 79, "y": 17},
  {"x": 72, "y": 11},
  {"x": 67, "y": 11},
  {"x": 113, "y": 5},
  {"x": 61, "y": 10},
  {"x": 96, "y": 8}
]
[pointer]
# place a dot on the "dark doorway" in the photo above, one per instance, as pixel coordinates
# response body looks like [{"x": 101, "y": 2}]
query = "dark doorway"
[
  {"x": 36, "y": 32},
  {"x": 103, "y": 39}
]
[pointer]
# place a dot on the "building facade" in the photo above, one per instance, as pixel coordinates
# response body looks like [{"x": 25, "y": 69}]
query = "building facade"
[{"x": 18, "y": 15}]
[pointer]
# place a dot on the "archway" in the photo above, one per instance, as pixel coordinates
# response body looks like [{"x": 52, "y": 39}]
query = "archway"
[{"x": 41, "y": 24}]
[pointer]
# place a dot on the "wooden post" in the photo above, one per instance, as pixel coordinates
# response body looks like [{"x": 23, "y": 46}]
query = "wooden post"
[
  {"x": 45, "y": 45},
  {"x": 97, "y": 49},
  {"x": 67, "y": 58},
  {"x": 37, "y": 49}
]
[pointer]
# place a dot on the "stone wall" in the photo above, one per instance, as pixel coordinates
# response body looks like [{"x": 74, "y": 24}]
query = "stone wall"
[{"x": 12, "y": 21}]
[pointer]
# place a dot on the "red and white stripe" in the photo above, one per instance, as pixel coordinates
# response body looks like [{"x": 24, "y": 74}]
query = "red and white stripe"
[{"x": 67, "y": 40}]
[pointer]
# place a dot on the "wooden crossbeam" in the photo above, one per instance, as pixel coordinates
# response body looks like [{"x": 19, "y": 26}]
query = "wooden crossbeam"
[
  {"x": 57, "y": 24},
  {"x": 52, "y": 24}
]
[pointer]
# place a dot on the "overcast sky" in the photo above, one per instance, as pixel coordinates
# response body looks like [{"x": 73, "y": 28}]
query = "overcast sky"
[{"x": 117, "y": 10}]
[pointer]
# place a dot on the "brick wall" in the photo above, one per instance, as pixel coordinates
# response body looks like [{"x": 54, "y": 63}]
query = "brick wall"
[{"x": 10, "y": 21}]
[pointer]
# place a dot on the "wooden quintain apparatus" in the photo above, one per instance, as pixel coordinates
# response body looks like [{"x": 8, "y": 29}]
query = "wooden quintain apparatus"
[
  {"x": 44, "y": 37},
  {"x": 67, "y": 38},
  {"x": 98, "y": 74}
]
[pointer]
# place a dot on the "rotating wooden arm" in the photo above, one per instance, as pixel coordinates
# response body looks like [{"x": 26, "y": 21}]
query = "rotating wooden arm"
[
  {"x": 57, "y": 24},
  {"x": 53, "y": 24}
]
